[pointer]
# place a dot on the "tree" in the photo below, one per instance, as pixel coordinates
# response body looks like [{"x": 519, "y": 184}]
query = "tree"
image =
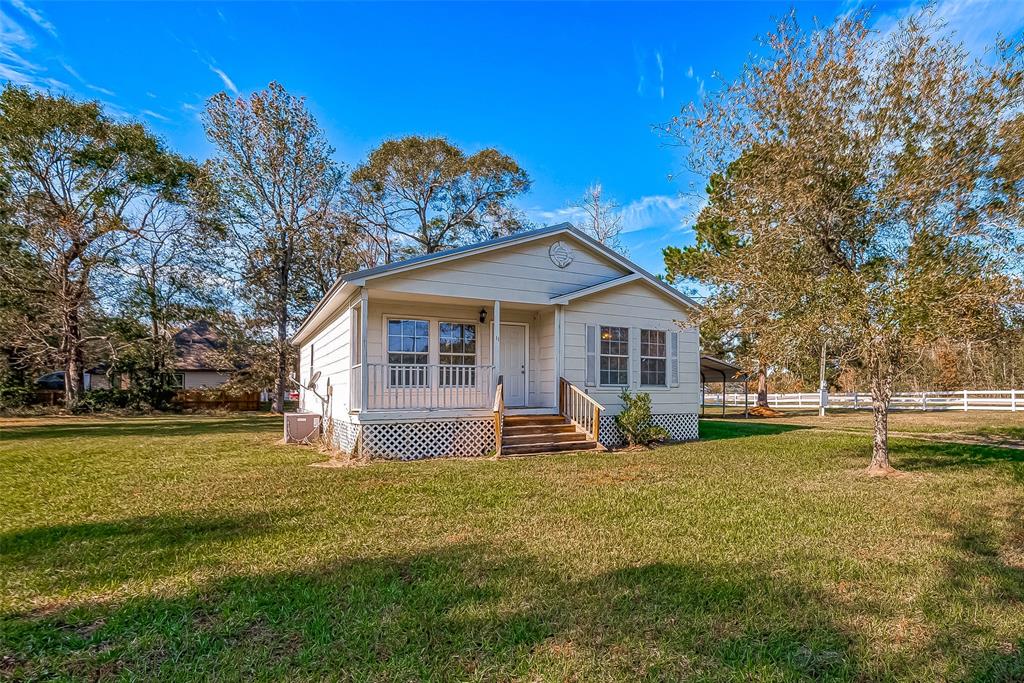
[
  {"x": 420, "y": 195},
  {"x": 602, "y": 218},
  {"x": 888, "y": 209},
  {"x": 77, "y": 184},
  {"x": 169, "y": 276},
  {"x": 280, "y": 184},
  {"x": 735, "y": 313}
]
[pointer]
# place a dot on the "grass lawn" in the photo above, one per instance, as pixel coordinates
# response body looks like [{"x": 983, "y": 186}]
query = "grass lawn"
[{"x": 188, "y": 548}]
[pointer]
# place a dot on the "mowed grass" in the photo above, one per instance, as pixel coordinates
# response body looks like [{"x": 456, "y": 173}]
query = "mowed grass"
[{"x": 197, "y": 548}]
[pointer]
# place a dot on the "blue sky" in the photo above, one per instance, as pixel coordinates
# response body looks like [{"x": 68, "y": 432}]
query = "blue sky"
[{"x": 570, "y": 90}]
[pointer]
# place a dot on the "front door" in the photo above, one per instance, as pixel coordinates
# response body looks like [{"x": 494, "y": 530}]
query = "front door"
[{"x": 513, "y": 364}]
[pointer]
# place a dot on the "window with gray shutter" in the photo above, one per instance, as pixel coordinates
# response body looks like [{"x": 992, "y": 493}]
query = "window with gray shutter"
[
  {"x": 653, "y": 358},
  {"x": 614, "y": 356}
]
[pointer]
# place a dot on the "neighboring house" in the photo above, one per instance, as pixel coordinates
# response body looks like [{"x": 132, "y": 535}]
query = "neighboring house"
[
  {"x": 199, "y": 357},
  {"x": 511, "y": 345}
]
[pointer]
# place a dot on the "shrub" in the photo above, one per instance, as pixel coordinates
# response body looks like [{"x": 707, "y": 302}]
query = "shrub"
[
  {"x": 100, "y": 400},
  {"x": 635, "y": 421},
  {"x": 15, "y": 396}
]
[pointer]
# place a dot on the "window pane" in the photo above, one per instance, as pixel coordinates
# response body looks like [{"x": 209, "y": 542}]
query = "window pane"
[
  {"x": 458, "y": 350},
  {"x": 614, "y": 355}
]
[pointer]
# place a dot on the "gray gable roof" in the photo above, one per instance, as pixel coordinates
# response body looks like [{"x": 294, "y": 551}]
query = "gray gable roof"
[{"x": 359, "y": 277}]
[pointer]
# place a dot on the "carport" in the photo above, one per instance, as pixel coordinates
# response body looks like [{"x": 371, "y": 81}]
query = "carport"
[{"x": 715, "y": 369}]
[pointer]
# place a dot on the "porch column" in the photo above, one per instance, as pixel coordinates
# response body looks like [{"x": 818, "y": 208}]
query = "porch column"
[
  {"x": 559, "y": 360},
  {"x": 364, "y": 378},
  {"x": 496, "y": 343}
]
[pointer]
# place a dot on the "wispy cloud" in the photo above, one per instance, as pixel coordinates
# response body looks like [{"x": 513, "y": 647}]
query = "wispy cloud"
[
  {"x": 15, "y": 43},
  {"x": 100, "y": 89},
  {"x": 152, "y": 114},
  {"x": 37, "y": 18},
  {"x": 975, "y": 23},
  {"x": 228, "y": 83},
  {"x": 668, "y": 212}
]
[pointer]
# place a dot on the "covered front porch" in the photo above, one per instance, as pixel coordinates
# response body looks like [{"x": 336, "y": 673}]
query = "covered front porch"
[{"x": 434, "y": 356}]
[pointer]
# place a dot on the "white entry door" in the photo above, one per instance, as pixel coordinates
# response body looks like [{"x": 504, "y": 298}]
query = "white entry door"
[{"x": 513, "y": 364}]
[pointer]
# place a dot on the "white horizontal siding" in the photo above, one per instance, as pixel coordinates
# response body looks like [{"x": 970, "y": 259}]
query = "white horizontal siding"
[
  {"x": 204, "y": 379},
  {"x": 523, "y": 273},
  {"x": 330, "y": 348},
  {"x": 636, "y": 306}
]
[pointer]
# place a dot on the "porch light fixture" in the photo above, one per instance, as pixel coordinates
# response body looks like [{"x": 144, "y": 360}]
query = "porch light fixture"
[{"x": 483, "y": 315}]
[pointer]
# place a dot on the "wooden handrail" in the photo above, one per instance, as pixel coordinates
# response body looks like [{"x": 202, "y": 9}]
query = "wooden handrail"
[
  {"x": 579, "y": 408},
  {"x": 499, "y": 414}
]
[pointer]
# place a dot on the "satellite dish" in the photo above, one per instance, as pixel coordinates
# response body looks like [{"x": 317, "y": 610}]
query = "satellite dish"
[{"x": 313, "y": 379}]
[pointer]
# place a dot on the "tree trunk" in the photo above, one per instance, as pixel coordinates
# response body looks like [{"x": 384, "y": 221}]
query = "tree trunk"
[
  {"x": 282, "y": 325},
  {"x": 71, "y": 350},
  {"x": 881, "y": 392},
  {"x": 762, "y": 386}
]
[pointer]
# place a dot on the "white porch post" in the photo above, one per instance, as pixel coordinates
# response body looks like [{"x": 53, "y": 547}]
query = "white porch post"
[
  {"x": 364, "y": 378},
  {"x": 496, "y": 343},
  {"x": 559, "y": 324}
]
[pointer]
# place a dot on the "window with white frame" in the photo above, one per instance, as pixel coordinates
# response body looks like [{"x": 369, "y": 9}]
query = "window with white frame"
[
  {"x": 408, "y": 352},
  {"x": 457, "y": 354},
  {"x": 653, "y": 358},
  {"x": 614, "y": 356},
  {"x": 178, "y": 380}
]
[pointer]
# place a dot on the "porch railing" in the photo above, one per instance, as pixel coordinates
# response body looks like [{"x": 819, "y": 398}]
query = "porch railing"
[
  {"x": 499, "y": 414},
  {"x": 428, "y": 387},
  {"x": 579, "y": 408}
]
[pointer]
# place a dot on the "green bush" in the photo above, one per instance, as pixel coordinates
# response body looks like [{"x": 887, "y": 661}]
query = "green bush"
[
  {"x": 100, "y": 400},
  {"x": 635, "y": 421},
  {"x": 15, "y": 396}
]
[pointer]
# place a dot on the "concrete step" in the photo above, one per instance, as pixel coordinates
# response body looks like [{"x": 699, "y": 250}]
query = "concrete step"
[{"x": 548, "y": 447}]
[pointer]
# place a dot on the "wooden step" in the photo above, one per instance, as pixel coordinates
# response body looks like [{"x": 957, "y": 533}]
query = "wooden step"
[
  {"x": 546, "y": 437},
  {"x": 549, "y": 447},
  {"x": 522, "y": 430},
  {"x": 523, "y": 420}
]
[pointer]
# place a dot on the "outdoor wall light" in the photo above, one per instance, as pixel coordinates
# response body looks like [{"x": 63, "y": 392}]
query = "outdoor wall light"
[{"x": 483, "y": 315}]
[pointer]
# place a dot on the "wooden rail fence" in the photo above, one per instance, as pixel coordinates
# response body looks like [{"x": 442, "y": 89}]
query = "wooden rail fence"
[{"x": 211, "y": 399}]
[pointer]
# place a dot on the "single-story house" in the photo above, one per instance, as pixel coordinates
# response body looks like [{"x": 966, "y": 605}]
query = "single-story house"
[
  {"x": 515, "y": 345},
  {"x": 199, "y": 357}
]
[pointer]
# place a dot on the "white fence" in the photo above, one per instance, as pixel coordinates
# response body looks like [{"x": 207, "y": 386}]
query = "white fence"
[{"x": 1010, "y": 400}]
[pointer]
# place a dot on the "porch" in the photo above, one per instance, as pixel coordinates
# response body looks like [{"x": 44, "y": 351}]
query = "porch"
[{"x": 431, "y": 356}]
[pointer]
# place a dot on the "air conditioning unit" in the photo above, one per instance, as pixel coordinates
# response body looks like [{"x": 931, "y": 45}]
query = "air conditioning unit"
[{"x": 301, "y": 427}]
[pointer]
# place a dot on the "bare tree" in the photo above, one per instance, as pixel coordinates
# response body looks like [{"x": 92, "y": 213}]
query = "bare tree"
[
  {"x": 602, "y": 217},
  {"x": 279, "y": 183},
  {"x": 884, "y": 210}
]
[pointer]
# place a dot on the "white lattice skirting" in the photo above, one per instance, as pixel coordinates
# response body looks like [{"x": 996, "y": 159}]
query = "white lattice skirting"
[
  {"x": 417, "y": 440},
  {"x": 345, "y": 436},
  {"x": 680, "y": 426}
]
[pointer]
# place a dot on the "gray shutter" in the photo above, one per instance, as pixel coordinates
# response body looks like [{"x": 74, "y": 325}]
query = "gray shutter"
[
  {"x": 591, "y": 378},
  {"x": 634, "y": 358},
  {"x": 673, "y": 358}
]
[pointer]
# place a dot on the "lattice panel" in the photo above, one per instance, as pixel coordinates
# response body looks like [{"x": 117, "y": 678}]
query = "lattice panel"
[
  {"x": 680, "y": 426},
  {"x": 427, "y": 439},
  {"x": 345, "y": 436}
]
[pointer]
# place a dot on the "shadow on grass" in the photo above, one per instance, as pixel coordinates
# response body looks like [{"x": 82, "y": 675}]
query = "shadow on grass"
[
  {"x": 911, "y": 454},
  {"x": 87, "y": 555},
  {"x": 170, "y": 426},
  {"x": 982, "y": 571},
  {"x": 448, "y": 614},
  {"x": 713, "y": 430}
]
